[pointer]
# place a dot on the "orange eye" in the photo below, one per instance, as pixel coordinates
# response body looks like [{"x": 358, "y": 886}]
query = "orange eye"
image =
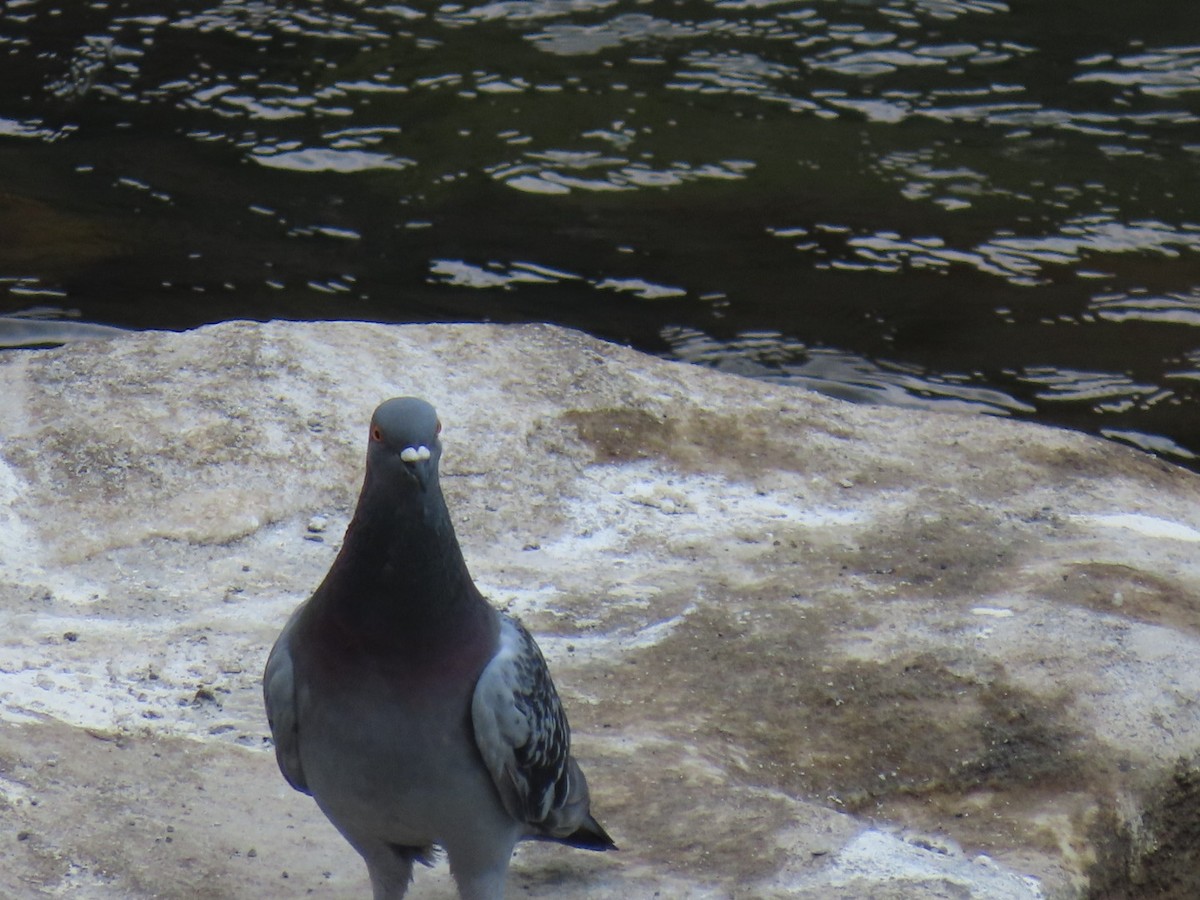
[
  {"x": 438, "y": 430},
  {"x": 376, "y": 433}
]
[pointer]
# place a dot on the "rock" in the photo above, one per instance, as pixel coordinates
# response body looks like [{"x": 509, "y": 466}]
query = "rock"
[{"x": 873, "y": 652}]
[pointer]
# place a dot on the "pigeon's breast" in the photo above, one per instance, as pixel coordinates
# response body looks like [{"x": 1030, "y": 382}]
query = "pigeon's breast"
[
  {"x": 386, "y": 767},
  {"x": 386, "y": 735}
]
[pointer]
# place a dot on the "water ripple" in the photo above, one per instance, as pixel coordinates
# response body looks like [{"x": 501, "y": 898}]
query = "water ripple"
[
  {"x": 495, "y": 275},
  {"x": 1166, "y": 72},
  {"x": 324, "y": 159},
  {"x": 260, "y": 20},
  {"x": 44, "y": 326},
  {"x": 30, "y": 128},
  {"x": 521, "y": 10},
  {"x": 1021, "y": 260},
  {"x": 1112, "y": 389},
  {"x": 562, "y": 171},
  {"x": 948, "y": 10},
  {"x": 1176, "y": 308},
  {"x": 771, "y": 356}
]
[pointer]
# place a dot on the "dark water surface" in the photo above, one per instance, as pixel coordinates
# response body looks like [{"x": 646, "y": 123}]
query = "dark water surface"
[{"x": 985, "y": 204}]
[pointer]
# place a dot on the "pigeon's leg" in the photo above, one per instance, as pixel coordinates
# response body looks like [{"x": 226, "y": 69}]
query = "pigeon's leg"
[
  {"x": 487, "y": 885},
  {"x": 390, "y": 868},
  {"x": 480, "y": 869}
]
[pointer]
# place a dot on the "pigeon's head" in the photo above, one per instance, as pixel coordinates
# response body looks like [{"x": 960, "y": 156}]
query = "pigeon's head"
[{"x": 404, "y": 439}]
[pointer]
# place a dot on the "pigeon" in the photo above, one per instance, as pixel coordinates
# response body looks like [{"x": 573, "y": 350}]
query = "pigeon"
[{"x": 416, "y": 714}]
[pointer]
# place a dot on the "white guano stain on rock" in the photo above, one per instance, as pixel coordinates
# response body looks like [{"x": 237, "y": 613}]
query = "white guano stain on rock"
[{"x": 1150, "y": 526}]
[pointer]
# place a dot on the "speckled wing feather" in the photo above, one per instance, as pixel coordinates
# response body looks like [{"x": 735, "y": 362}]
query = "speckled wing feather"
[
  {"x": 279, "y": 696},
  {"x": 522, "y": 732}
]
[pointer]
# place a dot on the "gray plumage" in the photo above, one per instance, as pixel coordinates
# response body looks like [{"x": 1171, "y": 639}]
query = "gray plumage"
[{"x": 414, "y": 713}]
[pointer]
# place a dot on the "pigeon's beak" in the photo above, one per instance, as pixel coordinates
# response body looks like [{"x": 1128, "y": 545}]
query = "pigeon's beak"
[{"x": 421, "y": 462}]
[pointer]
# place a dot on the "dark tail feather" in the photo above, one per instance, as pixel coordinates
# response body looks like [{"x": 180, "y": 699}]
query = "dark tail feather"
[
  {"x": 426, "y": 856},
  {"x": 589, "y": 836}
]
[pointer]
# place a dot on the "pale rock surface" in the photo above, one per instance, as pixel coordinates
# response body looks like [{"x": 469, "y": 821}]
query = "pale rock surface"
[{"x": 809, "y": 649}]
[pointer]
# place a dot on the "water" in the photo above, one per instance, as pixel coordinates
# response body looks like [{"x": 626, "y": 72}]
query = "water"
[{"x": 974, "y": 204}]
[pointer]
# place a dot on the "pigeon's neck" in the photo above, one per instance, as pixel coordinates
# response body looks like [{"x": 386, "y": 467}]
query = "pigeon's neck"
[{"x": 401, "y": 566}]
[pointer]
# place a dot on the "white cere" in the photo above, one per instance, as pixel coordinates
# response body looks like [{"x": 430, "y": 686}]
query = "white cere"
[{"x": 415, "y": 454}]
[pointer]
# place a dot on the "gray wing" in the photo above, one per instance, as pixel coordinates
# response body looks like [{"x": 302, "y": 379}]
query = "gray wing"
[
  {"x": 279, "y": 696},
  {"x": 523, "y": 736}
]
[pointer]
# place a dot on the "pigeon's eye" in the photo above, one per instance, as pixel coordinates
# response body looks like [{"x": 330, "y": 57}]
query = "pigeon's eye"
[
  {"x": 438, "y": 430},
  {"x": 376, "y": 433}
]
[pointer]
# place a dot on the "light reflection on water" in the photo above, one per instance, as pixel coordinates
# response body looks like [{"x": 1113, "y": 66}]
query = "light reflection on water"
[
  {"x": 1025, "y": 261},
  {"x": 551, "y": 173},
  {"x": 1173, "y": 309},
  {"x": 771, "y": 356},
  {"x": 972, "y": 204},
  {"x": 1166, "y": 72}
]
